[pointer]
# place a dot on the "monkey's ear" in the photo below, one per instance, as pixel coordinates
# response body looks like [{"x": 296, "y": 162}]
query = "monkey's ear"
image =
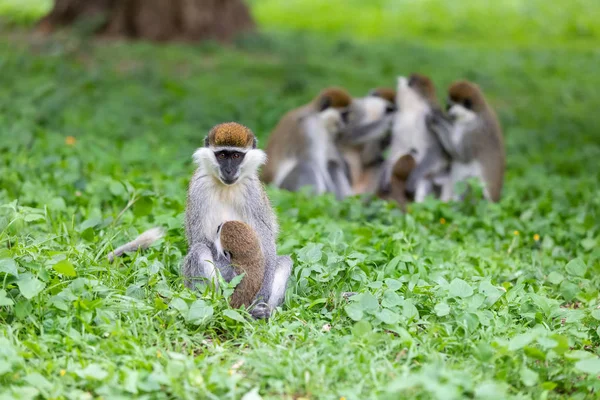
[
  {"x": 206, "y": 142},
  {"x": 324, "y": 103},
  {"x": 254, "y": 143}
]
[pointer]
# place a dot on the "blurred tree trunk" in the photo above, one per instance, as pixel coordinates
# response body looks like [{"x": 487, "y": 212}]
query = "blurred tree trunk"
[{"x": 154, "y": 19}]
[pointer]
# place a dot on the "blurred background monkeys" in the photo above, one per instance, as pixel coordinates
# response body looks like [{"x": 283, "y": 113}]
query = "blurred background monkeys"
[{"x": 301, "y": 150}]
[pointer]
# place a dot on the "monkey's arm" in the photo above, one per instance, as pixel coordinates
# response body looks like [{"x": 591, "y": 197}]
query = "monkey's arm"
[
  {"x": 340, "y": 176},
  {"x": 442, "y": 128},
  {"x": 361, "y": 134},
  {"x": 431, "y": 162},
  {"x": 303, "y": 174},
  {"x": 201, "y": 263}
]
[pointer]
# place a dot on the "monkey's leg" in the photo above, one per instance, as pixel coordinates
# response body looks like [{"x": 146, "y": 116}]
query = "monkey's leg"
[
  {"x": 385, "y": 178},
  {"x": 447, "y": 190},
  {"x": 272, "y": 293},
  {"x": 199, "y": 266},
  {"x": 303, "y": 174},
  {"x": 341, "y": 187},
  {"x": 424, "y": 189}
]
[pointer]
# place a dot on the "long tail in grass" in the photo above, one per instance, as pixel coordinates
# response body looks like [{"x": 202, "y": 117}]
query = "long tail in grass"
[{"x": 143, "y": 241}]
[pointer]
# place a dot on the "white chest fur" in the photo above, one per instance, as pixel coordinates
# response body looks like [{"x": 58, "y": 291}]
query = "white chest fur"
[
  {"x": 226, "y": 205},
  {"x": 409, "y": 128}
]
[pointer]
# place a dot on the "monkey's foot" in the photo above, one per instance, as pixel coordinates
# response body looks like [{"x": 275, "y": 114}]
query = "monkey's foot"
[{"x": 261, "y": 311}]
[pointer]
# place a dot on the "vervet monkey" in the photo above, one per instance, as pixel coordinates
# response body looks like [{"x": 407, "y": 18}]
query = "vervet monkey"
[
  {"x": 240, "y": 244},
  {"x": 301, "y": 149},
  {"x": 472, "y": 135},
  {"x": 366, "y": 138},
  {"x": 416, "y": 100},
  {"x": 226, "y": 187}
]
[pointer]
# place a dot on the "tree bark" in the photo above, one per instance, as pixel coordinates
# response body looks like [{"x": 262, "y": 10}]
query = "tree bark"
[{"x": 157, "y": 20}]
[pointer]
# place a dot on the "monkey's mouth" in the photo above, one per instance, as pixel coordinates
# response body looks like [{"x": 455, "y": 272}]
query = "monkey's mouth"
[{"x": 230, "y": 180}]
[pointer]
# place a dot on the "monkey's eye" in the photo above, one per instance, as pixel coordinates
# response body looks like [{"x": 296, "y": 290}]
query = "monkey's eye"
[
  {"x": 390, "y": 109},
  {"x": 467, "y": 103},
  {"x": 236, "y": 155},
  {"x": 221, "y": 156}
]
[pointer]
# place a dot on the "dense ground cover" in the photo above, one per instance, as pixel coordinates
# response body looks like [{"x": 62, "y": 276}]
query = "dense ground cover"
[{"x": 470, "y": 300}]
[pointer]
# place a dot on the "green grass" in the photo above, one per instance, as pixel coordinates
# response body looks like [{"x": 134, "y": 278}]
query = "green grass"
[
  {"x": 478, "y": 306},
  {"x": 482, "y": 22}
]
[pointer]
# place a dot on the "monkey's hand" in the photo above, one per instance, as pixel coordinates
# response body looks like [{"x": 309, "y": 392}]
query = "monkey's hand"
[
  {"x": 261, "y": 311},
  {"x": 441, "y": 127}
]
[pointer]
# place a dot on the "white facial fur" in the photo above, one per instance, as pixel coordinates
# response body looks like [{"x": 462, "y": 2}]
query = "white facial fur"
[
  {"x": 373, "y": 108},
  {"x": 462, "y": 114},
  {"x": 253, "y": 159},
  {"x": 331, "y": 120}
]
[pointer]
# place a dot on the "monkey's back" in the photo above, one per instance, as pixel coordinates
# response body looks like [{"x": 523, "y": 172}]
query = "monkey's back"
[
  {"x": 247, "y": 258},
  {"x": 284, "y": 141},
  {"x": 493, "y": 153}
]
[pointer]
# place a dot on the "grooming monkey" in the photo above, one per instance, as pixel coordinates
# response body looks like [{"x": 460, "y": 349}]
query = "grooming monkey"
[
  {"x": 226, "y": 187},
  {"x": 301, "y": 149},
  {"x": 366, "y": 138},
  {"x": 416, "y": 100},
  {"x": 238, "y": 242},
  {"x": 472, "y": 135}
]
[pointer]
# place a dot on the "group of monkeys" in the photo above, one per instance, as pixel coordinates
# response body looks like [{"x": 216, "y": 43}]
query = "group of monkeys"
[
  {"x": 337, "y": 144},
  {"x": 333, "y": 144}
]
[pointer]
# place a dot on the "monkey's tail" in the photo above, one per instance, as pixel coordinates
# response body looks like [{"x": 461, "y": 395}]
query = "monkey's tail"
[{"x": 141, "y": 242}]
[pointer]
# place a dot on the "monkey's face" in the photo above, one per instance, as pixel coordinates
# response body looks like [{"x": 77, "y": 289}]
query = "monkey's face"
[
  {"x": 464, "y": 101},
  {"x": 460, "y": 109},
  {"x": 230, "y": 154},
  {"x": 333, "y": 120},
  {"x": 229, "y": 165},
  {"x": 385, "y": 93},
  {"x": 334, "y": 107},
  {"x": 371, "y": 117}
]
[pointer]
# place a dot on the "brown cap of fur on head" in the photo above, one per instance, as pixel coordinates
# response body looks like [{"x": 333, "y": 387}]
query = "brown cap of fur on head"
[
  {"x": 231, "y": 134},
  {"x": 333, "y": 97},
  {"x": 385, "y": 93},
  {"x": 424, "y": 86},
  {"x": 468, "y": 95}
]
